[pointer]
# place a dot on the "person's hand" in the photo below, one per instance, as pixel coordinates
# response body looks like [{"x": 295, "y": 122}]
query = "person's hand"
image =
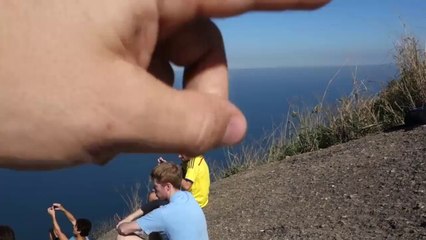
[
  {"x": 58, "y": 206},
  {"x": 81, "y": 81},
  {"x": 120, "y": 222},
  {"x": 161, "y": 160},
  {"x": 51, "y": 211}
]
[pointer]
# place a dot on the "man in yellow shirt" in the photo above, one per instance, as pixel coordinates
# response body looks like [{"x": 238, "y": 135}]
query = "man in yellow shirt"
[{"x": 196, "y": 178}]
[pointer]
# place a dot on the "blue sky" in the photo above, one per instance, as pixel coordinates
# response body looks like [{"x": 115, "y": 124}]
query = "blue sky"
[{"x": 345, "y": 32}]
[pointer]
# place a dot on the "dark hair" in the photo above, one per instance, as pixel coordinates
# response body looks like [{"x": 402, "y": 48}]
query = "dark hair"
[
  {"x": 83, "y": 226},
  {"x": 6, "y": 233},
  {"x": 168, "y": 173}
]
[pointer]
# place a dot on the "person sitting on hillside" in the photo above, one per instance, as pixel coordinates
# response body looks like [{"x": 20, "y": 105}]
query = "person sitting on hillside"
[
  {"x": 6, "y": 233},
  {"x": 153, "y": 203},
  {"x": 196, "y": 181},
  {"x": 196, "y": 178},
  {"x": 81, "y": 226},
  {"x": 181, "y": 219}
]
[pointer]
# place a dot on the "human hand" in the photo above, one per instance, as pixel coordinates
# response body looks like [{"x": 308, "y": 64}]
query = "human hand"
[
  {"x": 51, "y": 211},
  {"x": 83, "y": 81},
  {"x": 120, "y": 222},
  {"x": 161, "y": 160},
  {"x": 57, "y": 206}
]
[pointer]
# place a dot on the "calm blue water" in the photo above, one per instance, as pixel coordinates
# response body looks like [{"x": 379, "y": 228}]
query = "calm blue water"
[{"x": 95, "y": 192}]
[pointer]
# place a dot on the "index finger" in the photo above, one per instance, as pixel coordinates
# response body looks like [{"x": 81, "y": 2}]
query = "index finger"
[
  {"x": 178, "y": 11},
  {"x": 219, "y": 8}
]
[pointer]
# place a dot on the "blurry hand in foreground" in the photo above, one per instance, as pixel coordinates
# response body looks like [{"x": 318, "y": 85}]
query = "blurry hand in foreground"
[{"x": 81, "y": 81}]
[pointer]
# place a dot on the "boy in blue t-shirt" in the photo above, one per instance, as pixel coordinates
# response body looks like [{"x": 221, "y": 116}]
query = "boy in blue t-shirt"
[{"x": 181, "y": 219}]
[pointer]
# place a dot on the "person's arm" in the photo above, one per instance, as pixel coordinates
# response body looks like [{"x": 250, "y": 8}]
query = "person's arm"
[
  {"x": 190, "y": 174},
  {"x": 69, "y": 215},
  {"x": 127, "y": 228},
  {"x": 52, "y": 235},
  {"x": 145, "y": 209},
  {"x": 136, "y": 214},
  {"x": 151, "y": 222},
  {"x": 186, "y": 184},
  {"x": 56, "y": 227}
]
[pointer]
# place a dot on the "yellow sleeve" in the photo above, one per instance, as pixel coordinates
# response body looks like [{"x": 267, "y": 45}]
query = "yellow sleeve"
[{"x": 191, "y": 171}]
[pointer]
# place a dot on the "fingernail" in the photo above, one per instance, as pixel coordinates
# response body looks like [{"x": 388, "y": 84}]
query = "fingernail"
[{"x": 235, "y": 130}]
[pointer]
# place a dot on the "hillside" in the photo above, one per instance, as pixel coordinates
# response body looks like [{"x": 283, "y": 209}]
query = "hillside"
[{"x": 371, "y": 188}]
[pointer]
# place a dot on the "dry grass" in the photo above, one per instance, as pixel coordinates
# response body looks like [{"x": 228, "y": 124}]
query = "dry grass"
[
  {"x": 132, "y": 200},
  {"x": 359, "y": 113},
  {"x": 352, "y": 117},
  {"x": 409, "y": 90},
  {"x": 243, "y": 158}
]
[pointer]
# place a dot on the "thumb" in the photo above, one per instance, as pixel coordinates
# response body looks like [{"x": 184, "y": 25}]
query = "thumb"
[
  {"x": 157, "y": 118},
  {"x": 192, "y": 122}
]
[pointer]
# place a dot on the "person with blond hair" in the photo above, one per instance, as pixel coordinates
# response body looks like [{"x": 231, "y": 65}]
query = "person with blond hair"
[
  {"x": 181, "y": 219},
  {"x": 195, "y": 178}
]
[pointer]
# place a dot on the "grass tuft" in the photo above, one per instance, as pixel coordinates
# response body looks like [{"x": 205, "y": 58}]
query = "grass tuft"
[{"x": 352, "y": 117}]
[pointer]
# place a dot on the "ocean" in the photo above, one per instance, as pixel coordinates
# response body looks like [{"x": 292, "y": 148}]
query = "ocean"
[{"x": 97, "y": 192}]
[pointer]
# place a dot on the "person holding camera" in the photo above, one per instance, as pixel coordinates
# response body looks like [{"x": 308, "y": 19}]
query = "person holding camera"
[
  {"x": 81, "y": 226},
  {"x": 195, "y": 178}
]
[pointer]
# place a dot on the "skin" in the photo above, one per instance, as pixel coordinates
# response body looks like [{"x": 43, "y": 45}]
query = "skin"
[
  {"x": 82, "y": 81},
  {"x": 163, "y": 192},
  {"x": 56, "y": 228},
  {"x": 186, "y": 184}
]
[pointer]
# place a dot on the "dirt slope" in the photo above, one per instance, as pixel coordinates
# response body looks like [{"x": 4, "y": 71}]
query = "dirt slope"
[{"x": 371, "y": 188}]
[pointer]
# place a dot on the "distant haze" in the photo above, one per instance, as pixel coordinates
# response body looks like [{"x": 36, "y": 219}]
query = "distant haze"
[{"x": 345, "y": 32}]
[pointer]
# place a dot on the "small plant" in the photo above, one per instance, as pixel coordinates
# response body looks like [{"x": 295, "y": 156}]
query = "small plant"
[
  {"x": 133, "y": 201},
  {"x": 409, "y": 90},
  {"x": 249, "y": 155}
]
